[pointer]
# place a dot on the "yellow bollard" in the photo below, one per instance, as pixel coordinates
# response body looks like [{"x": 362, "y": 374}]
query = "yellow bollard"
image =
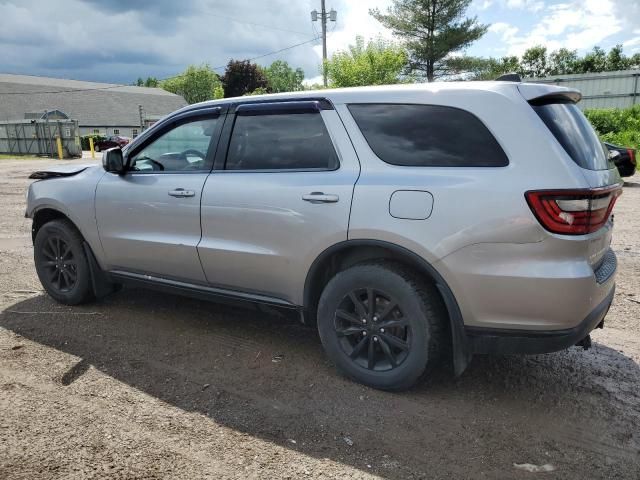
[
  {"x": 93, "y": 152},
  {"x": 59, "y": 144}
]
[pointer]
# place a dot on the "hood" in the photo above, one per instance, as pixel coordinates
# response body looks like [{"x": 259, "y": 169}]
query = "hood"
[{"x": 60, "y": 171}]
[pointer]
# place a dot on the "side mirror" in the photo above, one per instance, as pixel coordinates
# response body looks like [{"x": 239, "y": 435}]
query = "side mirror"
[
  {"x": 113, "y": 160},
  {"x": 613, "y": 154}
]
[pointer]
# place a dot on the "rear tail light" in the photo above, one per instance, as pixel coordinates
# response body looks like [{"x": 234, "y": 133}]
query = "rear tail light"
[
  {"x": 573, "y": 212},
  {"x": 632, "y": 155}
]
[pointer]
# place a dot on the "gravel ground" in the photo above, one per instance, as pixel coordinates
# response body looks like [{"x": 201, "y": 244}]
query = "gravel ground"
[{"x": 146, "y": 385}]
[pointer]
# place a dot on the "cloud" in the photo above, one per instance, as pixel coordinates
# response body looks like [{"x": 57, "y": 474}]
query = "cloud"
[
  {"x": 506, "y": 31},
  {"x": 579, "y": 25},
  {"x": 530, "y": 5},
  {"x": 120, "y": 40}
]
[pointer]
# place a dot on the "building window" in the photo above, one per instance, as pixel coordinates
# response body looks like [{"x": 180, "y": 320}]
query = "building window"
[
  {"x": 67, "y": 132},
  {"x": 96, "y": 131},
  {"x": 134, "y": 132},
  {"x": 116, "y": 131}
]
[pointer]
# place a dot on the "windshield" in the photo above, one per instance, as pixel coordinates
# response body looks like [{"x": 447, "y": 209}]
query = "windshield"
[{"x": 576, "y": 135}]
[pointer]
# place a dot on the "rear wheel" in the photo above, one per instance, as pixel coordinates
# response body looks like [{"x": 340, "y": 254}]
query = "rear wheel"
[
  {"x": 61, "y": 263},
  {"x": 381, "y": 325}
]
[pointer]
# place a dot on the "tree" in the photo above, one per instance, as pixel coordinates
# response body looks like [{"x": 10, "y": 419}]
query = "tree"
[
  {"x": 431, "y": 30},
  {"x": 534, "y": 62},
  {"x": 242, "y": 77},
  {"x": 152, "y": 82},
  {"x": 594, "y": 61},
  {"x": 283, "y": 78},
  {"x": 562, "y": 61},
  {"x": 477, "y": 68},
  {"x": 378, "y": 63},
  {"x": 616, "y": 60},
  {"x": 195, "y": 84},
  {"x": 149, "y": 82}
]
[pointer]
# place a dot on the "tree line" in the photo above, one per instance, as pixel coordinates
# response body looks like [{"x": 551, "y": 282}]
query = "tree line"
[
  {"x": 241, "y": 77},
  {"x": 431, "y": 35}
]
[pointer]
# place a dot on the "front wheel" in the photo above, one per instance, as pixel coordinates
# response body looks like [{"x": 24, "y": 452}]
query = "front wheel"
[
  {"x": 381, "y": 324},
  {"x": 61, "y": 263}
]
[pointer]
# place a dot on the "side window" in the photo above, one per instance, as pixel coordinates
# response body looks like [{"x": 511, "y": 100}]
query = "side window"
[
  {"x": 427, "y": 136},
  {"x": 287, "y": 141},
  {"x": 183, "y": 148}
]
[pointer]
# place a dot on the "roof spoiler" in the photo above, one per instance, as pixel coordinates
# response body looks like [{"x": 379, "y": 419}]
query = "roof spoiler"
[
  {"x": 509, "y": 77},
  {"x": 542, "y": 94}
]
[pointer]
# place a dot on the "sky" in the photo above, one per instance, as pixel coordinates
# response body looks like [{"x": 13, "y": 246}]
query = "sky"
[{"x": 117, "y": 41}]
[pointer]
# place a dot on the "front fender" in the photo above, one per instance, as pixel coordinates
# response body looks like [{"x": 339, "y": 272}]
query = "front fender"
[{"x": 74, "y": 197}]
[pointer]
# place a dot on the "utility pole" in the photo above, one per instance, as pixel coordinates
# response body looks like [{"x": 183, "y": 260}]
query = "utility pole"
[{"x": 332, "y": 15}]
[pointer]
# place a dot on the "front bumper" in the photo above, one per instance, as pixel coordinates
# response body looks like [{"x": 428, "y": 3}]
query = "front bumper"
[{"x": 505, "y": 341}]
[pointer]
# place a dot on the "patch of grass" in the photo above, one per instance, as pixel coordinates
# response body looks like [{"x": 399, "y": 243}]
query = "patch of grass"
[{"x": 12, "y": 156}]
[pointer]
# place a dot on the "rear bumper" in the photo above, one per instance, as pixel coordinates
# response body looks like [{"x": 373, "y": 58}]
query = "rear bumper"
[{"x": 505, "y": 341}]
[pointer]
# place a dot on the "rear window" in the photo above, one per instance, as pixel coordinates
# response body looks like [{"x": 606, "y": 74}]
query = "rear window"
[
  {"x": 427, "y": 136},
  {"x": 576, "y": 135}
]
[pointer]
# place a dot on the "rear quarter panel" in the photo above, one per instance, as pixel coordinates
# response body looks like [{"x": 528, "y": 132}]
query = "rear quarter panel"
[{"x": 471, "y": 205}]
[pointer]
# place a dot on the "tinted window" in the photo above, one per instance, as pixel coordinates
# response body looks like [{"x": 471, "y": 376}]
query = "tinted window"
[
  {"x": 575, "y": 134},
  {"x": 427, "y": 136},
  {"x": 285, "y": 141},
  {"x": 183, "y": 148}
]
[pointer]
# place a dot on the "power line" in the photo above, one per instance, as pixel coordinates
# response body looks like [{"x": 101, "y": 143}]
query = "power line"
[
  {"x": 160, "y": 79},
  {"x": 257, "y": 24},
  {"x": 274, "y": 52}
]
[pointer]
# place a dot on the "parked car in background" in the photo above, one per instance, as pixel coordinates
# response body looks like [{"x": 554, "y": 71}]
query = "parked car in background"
[
  {"x": 110, "y": 142},
  {"x": 355, "y": 210},
  {"x": 625, "y": 160}
]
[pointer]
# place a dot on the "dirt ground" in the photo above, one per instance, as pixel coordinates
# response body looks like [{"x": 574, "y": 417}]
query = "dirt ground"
[{"x": 147, "y": 385}]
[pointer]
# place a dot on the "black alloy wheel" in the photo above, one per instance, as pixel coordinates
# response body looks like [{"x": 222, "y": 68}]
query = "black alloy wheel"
[
  {"x": 381, "y": 324},
  {"x": 59, "y": 263},
  {"x": 372, "y": 329}
]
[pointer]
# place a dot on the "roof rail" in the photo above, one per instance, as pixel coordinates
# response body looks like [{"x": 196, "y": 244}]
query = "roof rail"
[{"x": 509, "y": 77}]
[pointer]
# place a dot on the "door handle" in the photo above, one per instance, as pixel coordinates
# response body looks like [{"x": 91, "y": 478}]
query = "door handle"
[
  {"x": 182, "y": 193},
  {"x": 319, "y": 197}
]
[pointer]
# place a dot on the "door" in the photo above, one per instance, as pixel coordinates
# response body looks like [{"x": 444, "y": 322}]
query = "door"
[
  {"x": 149, "y": 218},
  {"x": 279, "y": 195}
]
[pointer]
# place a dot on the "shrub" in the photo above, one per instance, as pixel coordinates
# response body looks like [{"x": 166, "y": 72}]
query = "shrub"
[
  {"x": 617, "y": 126},
  {"x": 84, "y": 140}
]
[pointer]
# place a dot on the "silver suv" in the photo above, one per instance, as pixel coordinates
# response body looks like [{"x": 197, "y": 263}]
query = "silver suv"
[{"x": 407, "y": 222}]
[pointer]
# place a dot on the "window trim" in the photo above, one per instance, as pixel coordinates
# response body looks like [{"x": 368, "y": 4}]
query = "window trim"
[
  {"x": 323, "y": 102},
  {"x": 220, "y": 163},
  {"x": 364, "y": 137},
  {"x": 172, "y": 123},
  {"x": 278, "y": 108}
]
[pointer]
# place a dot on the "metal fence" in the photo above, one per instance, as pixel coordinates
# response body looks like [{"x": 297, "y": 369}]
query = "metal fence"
[
  {"x": 619, "y": 89},
  {"x": 38, "y": 137}
]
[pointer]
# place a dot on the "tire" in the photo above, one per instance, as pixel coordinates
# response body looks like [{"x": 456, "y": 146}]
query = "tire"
[
  {"x": 96, "y": 148},
  {"x": 61, "y": 263},
  {"x": 406, "y": 340},
  {"x": 626, "y": 170}
]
